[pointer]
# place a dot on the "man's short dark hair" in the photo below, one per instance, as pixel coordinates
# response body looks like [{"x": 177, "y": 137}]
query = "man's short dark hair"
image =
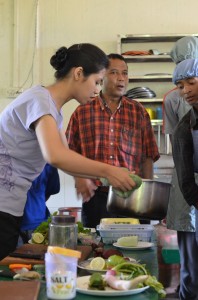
[{"x": 116, "y": 56}]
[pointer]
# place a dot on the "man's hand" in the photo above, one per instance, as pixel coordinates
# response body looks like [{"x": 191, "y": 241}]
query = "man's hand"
[{"x": 85, "y": 188}]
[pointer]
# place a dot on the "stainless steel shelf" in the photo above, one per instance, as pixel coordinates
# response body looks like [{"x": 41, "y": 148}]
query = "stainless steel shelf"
[
  {"x": 154, "y": 78},
  {"x": 148, "y": 100},
  {"x": 147, "y": 58},
  {"x": 129, "y": 38}
]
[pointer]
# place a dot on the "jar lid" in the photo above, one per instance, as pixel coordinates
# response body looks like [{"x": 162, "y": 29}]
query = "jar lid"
[
  {"x": 63, "y": 251},
  {"x": 61, "y": 219}
]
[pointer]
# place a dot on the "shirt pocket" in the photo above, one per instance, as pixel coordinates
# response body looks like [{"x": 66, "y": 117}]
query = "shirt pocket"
[{"x": 130, "y": 141}]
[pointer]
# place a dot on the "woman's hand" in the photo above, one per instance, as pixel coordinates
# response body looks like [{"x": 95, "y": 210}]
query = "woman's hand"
[
  {"x": 85, "y": 188},
  {"x": 119, "y": 178}
]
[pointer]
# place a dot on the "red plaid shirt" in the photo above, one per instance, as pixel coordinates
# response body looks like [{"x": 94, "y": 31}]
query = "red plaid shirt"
[{"x": 124, "y": 138}]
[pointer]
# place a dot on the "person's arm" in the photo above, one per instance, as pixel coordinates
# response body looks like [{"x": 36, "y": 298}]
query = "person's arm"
[
  {"x": 183, "y": 159},
  {"x": 85, "y": 188},
  {"x": 147, "y": 168},
  {"x": 53, "y": 181},
  {"x": 57, "y": 154},
  {"x": 170, "y": 107}
]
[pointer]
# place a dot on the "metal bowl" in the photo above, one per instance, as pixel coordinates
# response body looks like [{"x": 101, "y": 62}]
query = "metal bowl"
[{"x": 149, "y": 201}]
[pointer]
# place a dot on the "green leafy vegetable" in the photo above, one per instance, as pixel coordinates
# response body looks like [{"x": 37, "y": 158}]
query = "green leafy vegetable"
[
  {"x": 81, "y": 229},
  {"x": 158, "y": 287},
  {"x": 128, "y": 268}
]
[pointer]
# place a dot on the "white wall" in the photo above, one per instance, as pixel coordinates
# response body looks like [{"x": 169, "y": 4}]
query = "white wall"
[{"x": 29, "y": 35}]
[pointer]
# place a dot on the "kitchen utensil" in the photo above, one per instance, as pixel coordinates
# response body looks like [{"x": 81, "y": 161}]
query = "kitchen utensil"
[{"x": 149, "y": 201}]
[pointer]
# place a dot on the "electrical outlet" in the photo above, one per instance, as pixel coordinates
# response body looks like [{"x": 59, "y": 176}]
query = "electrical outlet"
[{"x": 13, "y": 92}]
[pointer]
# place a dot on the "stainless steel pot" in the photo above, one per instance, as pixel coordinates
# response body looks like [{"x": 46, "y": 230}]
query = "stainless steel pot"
[{"x": 149, "y": 201}]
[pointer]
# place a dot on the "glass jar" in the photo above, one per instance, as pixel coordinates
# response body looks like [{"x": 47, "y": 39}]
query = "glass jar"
[{"x": 63, "y": 232}]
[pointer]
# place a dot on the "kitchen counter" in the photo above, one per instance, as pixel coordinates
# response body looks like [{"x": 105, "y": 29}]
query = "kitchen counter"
[{"x": 148, "y": 257}]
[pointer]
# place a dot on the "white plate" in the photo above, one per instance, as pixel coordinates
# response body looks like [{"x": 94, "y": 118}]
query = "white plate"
[
  {"x": 82, "y": 287},
  {"x": 85, "y": 265},
  {"x": 140, "y": 246}
]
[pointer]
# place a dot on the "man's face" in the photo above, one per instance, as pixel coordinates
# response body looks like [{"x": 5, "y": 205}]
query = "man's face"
[
  {"x": 116, "y": 78},
  {"x": 188, "y": 89}
]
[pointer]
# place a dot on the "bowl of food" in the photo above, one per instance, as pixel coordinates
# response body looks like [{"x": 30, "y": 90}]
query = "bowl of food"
[
  {"x": 88, "y": 238},
  {"x": 149, "y": 201}
]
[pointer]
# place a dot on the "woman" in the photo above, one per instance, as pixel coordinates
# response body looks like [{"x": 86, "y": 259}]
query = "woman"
[{"x": 30, "y": 135}]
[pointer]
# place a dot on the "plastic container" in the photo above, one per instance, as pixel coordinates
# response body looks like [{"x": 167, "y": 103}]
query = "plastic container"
[
  {"x": 61, "y": 272},
  {"x": 63, "y": 232},
  {"x": 159, "y": 113},
  {"x": 110, "y": 233}
]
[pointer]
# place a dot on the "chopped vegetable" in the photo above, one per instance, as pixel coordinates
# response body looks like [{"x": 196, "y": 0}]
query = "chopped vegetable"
[
  {"x": 96, "y": 281},
  {"x": 116, "y": 283},
  {"x": 128, "y": 241},
  {"x": 19, "y": 266},
  {"x": 27, "y": 275}
]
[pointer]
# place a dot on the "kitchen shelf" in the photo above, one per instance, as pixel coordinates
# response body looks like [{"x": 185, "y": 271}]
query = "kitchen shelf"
[
  {"x": 131, "y": 38},
  {"x": 147, "y": 58},
  {"x": 153, "y": 71},
  {"x": 148, "y": 100},
  {"x": 154, "y": 78}
]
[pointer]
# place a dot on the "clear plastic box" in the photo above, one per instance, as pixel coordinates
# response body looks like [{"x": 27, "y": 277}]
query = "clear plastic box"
[{"x": 111, "y": 233}]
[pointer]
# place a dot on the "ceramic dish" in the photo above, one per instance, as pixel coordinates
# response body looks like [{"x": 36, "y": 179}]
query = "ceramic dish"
[
  {"x": 140, "y": 246},
  {"x": 85, "y": 265},
  {"x": 82, "y": 287}
]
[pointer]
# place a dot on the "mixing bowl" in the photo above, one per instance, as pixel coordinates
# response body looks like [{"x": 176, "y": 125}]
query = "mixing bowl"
[{"x": 149, "y": 201}]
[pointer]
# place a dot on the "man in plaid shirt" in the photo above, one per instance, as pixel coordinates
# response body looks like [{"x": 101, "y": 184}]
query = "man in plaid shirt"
[{"x": 112, "y": 129}]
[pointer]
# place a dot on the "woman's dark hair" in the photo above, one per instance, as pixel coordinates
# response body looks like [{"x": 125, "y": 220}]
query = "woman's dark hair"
[{"x": 91, "y": 58}]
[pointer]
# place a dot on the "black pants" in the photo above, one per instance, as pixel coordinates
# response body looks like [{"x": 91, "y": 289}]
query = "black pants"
[
  {"x": 9, "y": 233},
  {"x": 95, "y": 209}
]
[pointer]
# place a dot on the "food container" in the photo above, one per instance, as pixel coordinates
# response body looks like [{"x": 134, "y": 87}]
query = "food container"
[
  {"x": 89, "y": 238},
  {"x": 61, "y": 272},
  {"x": 149, "y": 201},
  {"x": 112, "y": 232}
]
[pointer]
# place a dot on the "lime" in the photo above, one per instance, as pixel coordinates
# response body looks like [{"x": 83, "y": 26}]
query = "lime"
[
  {"x": 37, "y": 238},
  {"x": 97, "y": 263}
]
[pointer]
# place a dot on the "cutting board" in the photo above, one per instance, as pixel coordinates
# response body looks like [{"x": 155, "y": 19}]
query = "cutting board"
[
  {"x": 19, "y": 290},
  {"x": 39, "y": 250}
]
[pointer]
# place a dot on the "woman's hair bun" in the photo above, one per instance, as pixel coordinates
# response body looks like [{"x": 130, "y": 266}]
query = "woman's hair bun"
[{"x": 59, "y": 58}]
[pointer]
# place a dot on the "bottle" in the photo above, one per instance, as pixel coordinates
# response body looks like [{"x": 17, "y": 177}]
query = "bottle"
[
  {"x": 159, "y": 113},
  {"x": 61, "y": 272},
  {"x": 63, "y": 232}
]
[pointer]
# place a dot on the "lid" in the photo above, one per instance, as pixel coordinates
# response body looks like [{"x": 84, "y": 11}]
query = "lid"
[
  {"x": 63, "y": 220},
  {"x": 69, "y": 209},
  {"x": 63, "y": 251}
]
